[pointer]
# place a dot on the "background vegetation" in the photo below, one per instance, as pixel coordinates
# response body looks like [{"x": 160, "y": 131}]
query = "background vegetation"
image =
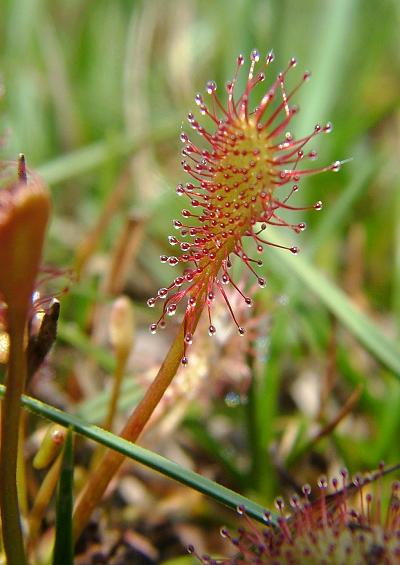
[{"x": 95, "y": 94}]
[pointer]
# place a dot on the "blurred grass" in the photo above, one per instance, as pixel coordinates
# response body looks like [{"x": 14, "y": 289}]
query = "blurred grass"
[{"x": 90, "y": 85}]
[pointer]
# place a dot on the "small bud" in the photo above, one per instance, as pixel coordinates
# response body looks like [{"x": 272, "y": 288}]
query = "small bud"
[
  {"x": 50, "y": 446},
  {"x": 122, "y": 326}
]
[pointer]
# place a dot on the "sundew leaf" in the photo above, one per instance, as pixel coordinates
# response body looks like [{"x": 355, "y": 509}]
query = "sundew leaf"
[
  {"x": 360, "y": 325},
  {"x": 152, "y": 460},
  {"x": 64, "y": 547}
]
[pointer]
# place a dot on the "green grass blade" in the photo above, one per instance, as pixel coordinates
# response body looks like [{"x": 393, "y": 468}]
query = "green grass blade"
[
  {"x": 63, "y": 546},
  {"x": 94, "y": 410},
  {"x": 90, "y": 157},
  {"x": 152, "y": 460},
  {"x": 72, "y": 334},
  {"x": 330, "y": 41},
  {"x": 362, "y": 327},
  {"x": 337, "y": 213}
]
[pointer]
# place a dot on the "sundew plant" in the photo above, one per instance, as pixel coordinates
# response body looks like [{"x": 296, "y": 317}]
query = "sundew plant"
[{"x": 183, "y": 395}]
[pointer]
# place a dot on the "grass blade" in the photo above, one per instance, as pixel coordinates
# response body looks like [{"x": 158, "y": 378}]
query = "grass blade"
[
  {"x": 88, "y": 158},
  {"x": 362, "y": 327},
  {"x": 64, "y": 547},
  {"x": 152, "y": 460}
]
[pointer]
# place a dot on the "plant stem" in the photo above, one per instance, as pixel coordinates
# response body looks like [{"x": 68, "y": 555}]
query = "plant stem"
[
  {"x": 111, "y": 461},
  {"x": 15, "y": 382},
  {"x": 42, "y": 499},
  {"x": 112, "y": 408}
]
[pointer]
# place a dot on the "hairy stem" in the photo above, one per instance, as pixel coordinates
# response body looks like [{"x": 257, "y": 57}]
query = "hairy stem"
[
  {"x": 15, "y": 382},
  {"x": 111, "y": 461}
]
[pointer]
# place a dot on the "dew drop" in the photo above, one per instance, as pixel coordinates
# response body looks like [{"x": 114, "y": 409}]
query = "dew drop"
[
  {"x": 225, "y": 279},
  {"x": 171, "y": 310},
  {"x": 172, "y": 240},
  {"x": 211, "y": 296},
  {"x": 162, "y": 293},
  {"x": 240, "y": 59},
  {"x": 184, "y": 361},
  {"x": 211, "y": 330},
  {"x": 240, "y": 509},
  {"x": 270, "y": 57},
  {"x": 328, "y": 128},
  {"x": 255, "y": 56},
  {"x": 307, "y": 75},
  {"x": 189, "y": 338},
  {"x": 177, "y": 224},
  {"x": 224, "y": 533},
  {"x": 190, "y": 549},
  {"x": 318, "y": 205},
  {"x": 192, "y": 302},
  {"x": 180, "y": 191},
  {"x": 211, "y": 86},
  {"x": 261, "y": 282},
  {"x": 283, "y": 300},
  {"x": 183, "y": 137},
  {"x": 179, "y": 281},
  {"x": 260, "y": 248},
  {"x": 241, "y": 330},
  {"x": 293, "y": 62},
  {"x": 153, "y": 328},
  {"x": 302, "y": 226},
  {"x": 295, "y": 250},
  {"x": 248, "y": 301},
  {"x": 232, "y": 399},
  {"x": 163, "y": 258},
  {"x": 336, "y": 166},
  {"x": 151, "y": 302},
  {"x": 322, "y": 482},
  {"x": 173, "y": 260},
  {"x": 317, "y": 128},
  {"x": 267, "y": 515}
]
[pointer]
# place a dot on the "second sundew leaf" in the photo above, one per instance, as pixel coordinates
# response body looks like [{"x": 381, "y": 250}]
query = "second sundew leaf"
[{"x": 63, "y": 547}]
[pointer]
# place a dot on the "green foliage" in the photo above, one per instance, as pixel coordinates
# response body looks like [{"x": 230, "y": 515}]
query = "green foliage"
[
  {"x": 93, "y": 86},
  {"x": 63, "y": 546}
]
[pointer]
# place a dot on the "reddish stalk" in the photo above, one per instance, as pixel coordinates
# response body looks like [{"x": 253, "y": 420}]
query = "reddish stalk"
[
  {"x": 15, "y": 382},
  {"x": 111, "y": 460}
]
